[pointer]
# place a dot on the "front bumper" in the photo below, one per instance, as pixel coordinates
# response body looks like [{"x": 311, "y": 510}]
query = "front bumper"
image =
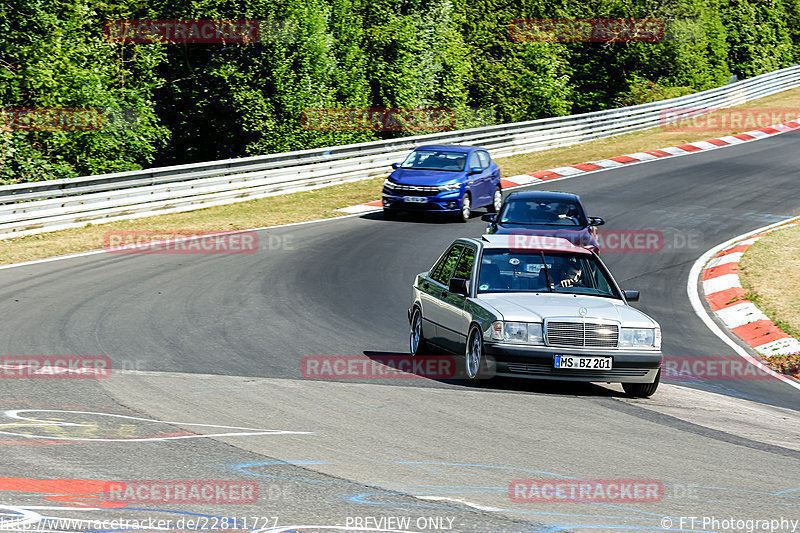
[
  {"x": 628, "y": 366},
  {"x": 444, "y": 202}
]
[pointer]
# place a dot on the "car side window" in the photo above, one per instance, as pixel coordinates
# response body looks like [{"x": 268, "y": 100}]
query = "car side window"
[
  {"x": 599, "y": 280},
  {"x": 485, "y": 159},
  {"x": 474, "y": 161},
  {"x": 464, "y": 267},
  {"x": 444, "y": 268}
]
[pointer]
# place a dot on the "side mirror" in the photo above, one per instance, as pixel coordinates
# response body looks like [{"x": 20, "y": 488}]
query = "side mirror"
[
  {"x": 632, "y": 296},
  {"x": 596, "y": 221},
  {"x": 475, "y": 170},
  {"x": 489, "y": 217},
  {"x": 459, "y": 286},
  {"x": 395, "y": 165}
]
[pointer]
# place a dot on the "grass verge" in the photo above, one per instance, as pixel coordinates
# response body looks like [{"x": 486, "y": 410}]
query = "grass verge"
[
  {"x": 642, "y": 141},
  {"x": 272, "y": 211},
  {"x": 322, "y": 203},
  {"x": 769, "y": 275}
]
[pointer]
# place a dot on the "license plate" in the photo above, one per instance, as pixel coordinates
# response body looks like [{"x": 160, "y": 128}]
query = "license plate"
[
  {"x": 581, "y": 362},
  {"x": 415, "y": 199}
]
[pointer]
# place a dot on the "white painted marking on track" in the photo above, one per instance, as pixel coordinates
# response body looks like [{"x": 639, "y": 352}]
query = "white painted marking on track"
[
  {"x": 244, "y": 432},
  {"x": 607, "y": 163},
  {"x": 721, "y": 283},
  {"x": 642, "y": 157},
  {"x": 674, "y": 150},
  {"x": 362, "y": 208},
  {"x": 740, "y": 314},
  {"x": 567, "y": 171},
  {"x": 759, "y": 134},
  {"x": 464, "y": 502},
  {"x": 732, "y": 140},
  {"x": 26, "y": 516},
  {"x": 283, "y": 529},
  {"x": 523, "y": 179},
  {"x": 748, "y": 242},
  {"x": 780, "y": 347},
  {"x": 735, "y": 257},
  {"x": 705, "y": 145}
]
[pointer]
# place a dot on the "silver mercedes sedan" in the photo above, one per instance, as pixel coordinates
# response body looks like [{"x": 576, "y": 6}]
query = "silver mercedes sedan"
[{"x": 538, "y": 307}]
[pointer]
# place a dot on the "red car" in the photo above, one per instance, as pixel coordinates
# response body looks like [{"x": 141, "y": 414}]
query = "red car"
[{"x": 546, "y": 214}]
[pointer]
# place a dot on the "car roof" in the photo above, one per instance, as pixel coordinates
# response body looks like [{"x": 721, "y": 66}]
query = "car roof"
[
  {"x": 526, "y": 242},
  {"x": 449, "y": 147},
  {"x": 542, "y": 195}
]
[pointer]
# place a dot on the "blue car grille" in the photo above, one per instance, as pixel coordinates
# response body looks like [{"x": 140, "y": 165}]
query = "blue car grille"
[{"x": 415, "y": 190}]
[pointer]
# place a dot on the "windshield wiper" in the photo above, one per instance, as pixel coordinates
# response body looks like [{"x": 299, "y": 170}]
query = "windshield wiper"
[{"x": 546, "y": 273}]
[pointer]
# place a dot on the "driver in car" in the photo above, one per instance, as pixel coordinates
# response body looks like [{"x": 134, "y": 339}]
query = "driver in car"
[
  {"x": 572, "y": 276},
  {"x": 567, "y": 212}
]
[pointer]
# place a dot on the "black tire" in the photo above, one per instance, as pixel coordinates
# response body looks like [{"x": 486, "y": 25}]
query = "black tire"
[
  {"x": 476, "y": 365},
  {"x": 419, "y": 346},
  {"x": 466, "y": 209},
  {"x": 494, "y": 207},
  {"x": 642, "y": 390}
]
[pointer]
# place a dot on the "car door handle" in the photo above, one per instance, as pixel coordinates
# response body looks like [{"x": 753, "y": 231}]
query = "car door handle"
[
  {"x": 425, "y": 286},
  {"x": 444, "y": 294}
]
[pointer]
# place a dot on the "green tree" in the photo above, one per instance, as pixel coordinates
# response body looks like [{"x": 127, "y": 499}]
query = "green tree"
[{"x": 53, "y": 55}]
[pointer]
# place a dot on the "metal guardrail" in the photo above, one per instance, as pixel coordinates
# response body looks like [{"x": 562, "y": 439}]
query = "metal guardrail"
[{"x": 29, "y": 208}]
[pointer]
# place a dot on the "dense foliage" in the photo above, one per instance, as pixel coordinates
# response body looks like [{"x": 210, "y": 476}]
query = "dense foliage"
[{"x": 185, "y": 102}]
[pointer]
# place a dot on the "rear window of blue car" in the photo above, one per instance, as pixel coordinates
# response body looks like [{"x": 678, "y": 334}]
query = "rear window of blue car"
[{"x": 435, "y": 160}]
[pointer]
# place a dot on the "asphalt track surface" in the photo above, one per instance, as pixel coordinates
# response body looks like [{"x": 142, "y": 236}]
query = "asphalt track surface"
[{"x": 218, "y": 340}]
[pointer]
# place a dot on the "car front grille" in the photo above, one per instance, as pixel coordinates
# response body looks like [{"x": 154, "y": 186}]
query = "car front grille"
[
  {"x": 582, "y": 334},
  {"x": 415, "y": 190}
]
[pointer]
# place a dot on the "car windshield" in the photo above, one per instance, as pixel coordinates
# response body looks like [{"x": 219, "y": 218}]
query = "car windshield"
[
  {"x": 543, "y": 213},
  {"x": 435, "y": 160},
  {"x": 504, "y": 270}
]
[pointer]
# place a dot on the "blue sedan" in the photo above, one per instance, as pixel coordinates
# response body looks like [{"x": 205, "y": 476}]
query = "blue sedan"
[{"x": 443, "y": 179}]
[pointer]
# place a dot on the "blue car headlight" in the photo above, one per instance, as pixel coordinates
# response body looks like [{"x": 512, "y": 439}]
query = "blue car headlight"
[
  {"x": 451, "y": 186},
  {"x": 389, "y": 184}
]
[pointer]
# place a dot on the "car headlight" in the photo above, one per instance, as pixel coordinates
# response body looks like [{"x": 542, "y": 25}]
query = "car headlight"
[
  {"x": 522, "y": 332},
  {"x": 636, "y": 337},
  {"x": 389, "y": 184},
  {"x": 454, "y": 186}
]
